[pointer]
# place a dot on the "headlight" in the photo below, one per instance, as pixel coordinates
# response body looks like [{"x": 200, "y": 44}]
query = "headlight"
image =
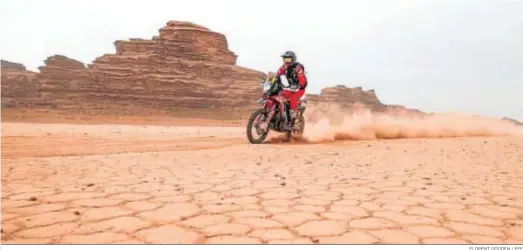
[{"x": 266, "y": 87}]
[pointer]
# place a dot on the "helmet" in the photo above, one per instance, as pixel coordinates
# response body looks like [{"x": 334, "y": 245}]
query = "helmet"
[{"x": 289, "y": 54}]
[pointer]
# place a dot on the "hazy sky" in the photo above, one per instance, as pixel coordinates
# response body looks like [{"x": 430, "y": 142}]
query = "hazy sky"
[{"x": 434, "y": 55}]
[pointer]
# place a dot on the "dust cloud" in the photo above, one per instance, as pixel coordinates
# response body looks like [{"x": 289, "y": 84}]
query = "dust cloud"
[{"x": 332, "y": 124}]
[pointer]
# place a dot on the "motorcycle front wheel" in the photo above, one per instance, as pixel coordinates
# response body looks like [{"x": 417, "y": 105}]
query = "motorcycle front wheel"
[{"x": 251, "y": 127}]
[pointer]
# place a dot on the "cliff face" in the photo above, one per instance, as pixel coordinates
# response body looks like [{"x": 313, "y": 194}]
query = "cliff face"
[
  {"x": 19, "y": 86},
  {"x": 62, "y": 83}
]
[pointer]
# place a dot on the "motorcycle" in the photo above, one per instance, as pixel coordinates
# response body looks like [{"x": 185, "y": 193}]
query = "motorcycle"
[{"x": 274, "y": 113}]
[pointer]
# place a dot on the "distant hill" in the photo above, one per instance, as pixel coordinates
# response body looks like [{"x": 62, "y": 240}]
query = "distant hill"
[{"x": 513, "y": 120}]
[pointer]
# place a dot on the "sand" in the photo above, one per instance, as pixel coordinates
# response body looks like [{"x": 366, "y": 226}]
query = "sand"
[{"x": 342, "y": 183}]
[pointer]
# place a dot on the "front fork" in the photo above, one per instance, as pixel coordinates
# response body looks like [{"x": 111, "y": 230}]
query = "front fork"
[{"x": 265, "y": 125}]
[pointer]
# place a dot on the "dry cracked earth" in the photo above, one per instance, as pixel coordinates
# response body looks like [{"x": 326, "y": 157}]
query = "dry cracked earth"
[{"x": 135, "y": 184}]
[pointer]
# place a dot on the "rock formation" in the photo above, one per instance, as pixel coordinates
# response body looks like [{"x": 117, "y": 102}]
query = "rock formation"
[
  {"x": 187, "y": 70},
  {"x": 64, "y": 84},
  {"x": 395, "y": 109},
  {"x": 356, "y": 99},
  {"x": 19, "y": 86},
  {"x": 346, "y": 98},
  {"x": 513, "y": 121}
]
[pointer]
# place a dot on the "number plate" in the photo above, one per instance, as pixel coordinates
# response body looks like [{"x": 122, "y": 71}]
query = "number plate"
[{"x": 284, "y": 81}]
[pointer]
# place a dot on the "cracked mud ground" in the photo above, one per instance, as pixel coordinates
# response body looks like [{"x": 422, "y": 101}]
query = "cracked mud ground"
[{"x": 136, "y": 184}]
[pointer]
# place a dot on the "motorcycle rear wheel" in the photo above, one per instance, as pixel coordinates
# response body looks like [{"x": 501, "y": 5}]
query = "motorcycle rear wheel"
[
  {"x": 301, "y": 126},
  {"x": 250, "y": 127}
]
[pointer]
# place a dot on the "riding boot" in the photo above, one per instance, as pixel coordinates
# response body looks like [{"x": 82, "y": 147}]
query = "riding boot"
[{"x": 290, "y": 123}]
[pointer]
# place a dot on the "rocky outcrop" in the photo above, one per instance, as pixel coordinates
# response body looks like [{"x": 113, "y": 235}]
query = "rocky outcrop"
[
  {"x": 402, "y": 110},
  {"x": 19, "y": 86},
  {"x": 62, "y": 80},
  {"x": 347, "y": 98},
  {"x": 356, "y": 99},
  {"x": 513, "y": 121},
  {"x": 7, "y": 65},
  {"x": 182, "y": 40}
]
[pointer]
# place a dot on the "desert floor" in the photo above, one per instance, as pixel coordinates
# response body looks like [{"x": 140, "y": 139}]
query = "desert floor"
[{"x": 175, "y": 184}]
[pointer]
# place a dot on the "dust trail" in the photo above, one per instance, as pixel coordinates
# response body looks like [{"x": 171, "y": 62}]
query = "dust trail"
[{"x": 324, "y": 125}]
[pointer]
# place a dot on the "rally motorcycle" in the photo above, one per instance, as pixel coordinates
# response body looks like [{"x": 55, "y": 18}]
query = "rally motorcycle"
[{"x": 274, "y": 113}]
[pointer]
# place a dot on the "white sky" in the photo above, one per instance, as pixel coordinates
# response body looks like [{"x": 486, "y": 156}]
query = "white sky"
[{"x": 434, "y": 55}]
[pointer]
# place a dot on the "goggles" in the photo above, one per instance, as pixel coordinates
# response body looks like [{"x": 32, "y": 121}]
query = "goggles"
[{"x": 287, "y": 59}]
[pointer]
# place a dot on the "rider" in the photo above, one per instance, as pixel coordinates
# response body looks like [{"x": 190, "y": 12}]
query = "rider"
[{"x": 295, "y": 74}]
